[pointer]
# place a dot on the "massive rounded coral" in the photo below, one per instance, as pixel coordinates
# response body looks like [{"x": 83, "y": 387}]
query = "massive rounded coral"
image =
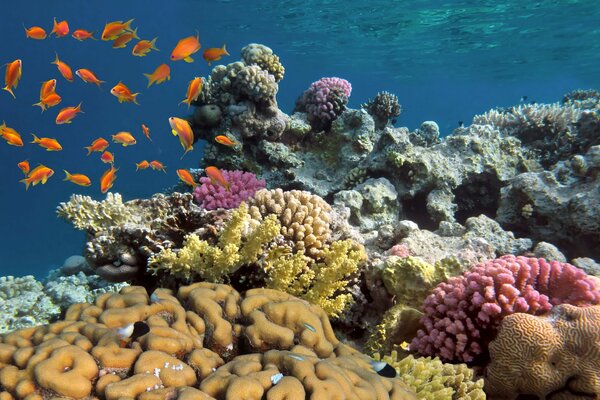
[{"x": 242, "y": 186}]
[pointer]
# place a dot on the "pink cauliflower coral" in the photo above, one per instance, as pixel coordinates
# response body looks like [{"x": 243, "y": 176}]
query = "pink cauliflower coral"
[
  {"x": 463, "y": 314},
  {"x": 242, "y": 186},
  {"x": 324, "y": 101}
]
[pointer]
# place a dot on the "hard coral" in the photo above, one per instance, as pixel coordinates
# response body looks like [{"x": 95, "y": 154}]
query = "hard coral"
[
  {"x": 556, "y": 356},
  {"x": 383, "y": 108},
  {"x": 462, "y": 315},
  {"x": 242, "y": 186},
  {"x": 263, "y": 56},
  {"x": 196, "y": 340},
  {"x": 324, "y": 101}
]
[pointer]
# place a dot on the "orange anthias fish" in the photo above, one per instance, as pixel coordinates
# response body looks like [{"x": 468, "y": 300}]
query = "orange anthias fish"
[
  {"x": 64, "y": 69},
  {"x": 193, "y": 91},
  {"x": 67, "y": 114},
  {"x": 121, "y": 41},
  {"x": 11, "y": 136},
  {"x": 157, "y": 165},
  {"x": 88, "y": 76},
  {"x": 125, "y": 138},
  {"x": 107, "y": 157},
  {"x": 60, "y": 29},
  {"x": 35, "y": 32},
  {"x": 48, "y": 87},
  {"x": 146, "y": 131},
  {"x": 12, "y": 76},
  {"x": 107, "y": 179},
  {"x": 41, "y": 173},
  {"x": 214, "y": 54},
  {"x": 49, "y": 144},
  {"x": 99, "y": 144},
  {"x": 82, "y": 34},
  {"x": 186, "y": 177},
  {"x": 50, "y": 100},
  {"x": 142, "y": 165},
  {"x": 182, "y": 129},
  {"x": 224, "y": 140},
  {"x": 123, "y": 93},
  {"x": 78, "y": 179},
  {"x": 185, "y": 48},
  {"x": 160, "y": 74},
  {"x": 113, "y": 29},
  {"x": 24, "y": 166},
  {"x": 216, "y": 176},
  {"x": 143, "y": 47}
]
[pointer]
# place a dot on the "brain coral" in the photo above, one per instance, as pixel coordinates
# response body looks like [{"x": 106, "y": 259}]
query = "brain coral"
[
  {"x": 242, "y": 186},
  {"x": 194, "y": 349},
  {"x": 556, "y": 355},
  {"x": 462, "y": 315}
]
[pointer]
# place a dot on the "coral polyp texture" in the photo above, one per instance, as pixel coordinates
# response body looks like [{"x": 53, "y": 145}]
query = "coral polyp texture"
[
  {"x": 557, "y": 355},
  {"x": 204, "y": 342},
  {"x": 242, "y": 186},
  {"x": 383, "y": 108},
  {"x": 462, "y": 315},
  {"x": 324, "y": 101}
]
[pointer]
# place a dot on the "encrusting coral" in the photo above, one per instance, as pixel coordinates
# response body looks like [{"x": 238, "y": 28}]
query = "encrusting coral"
[{"x": 202, "y": 351}]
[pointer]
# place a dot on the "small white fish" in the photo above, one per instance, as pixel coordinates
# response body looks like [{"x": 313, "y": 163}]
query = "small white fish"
[
  {"x": 276, "y": 378},
  {"x": 310, "y": 327},
  {"x": 295, "y": 357}
]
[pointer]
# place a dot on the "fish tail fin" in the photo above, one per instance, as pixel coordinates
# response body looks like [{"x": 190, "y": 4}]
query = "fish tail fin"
[
  {"x": 153, "y": 44},
  {"x": 68, "y": 175},
  {"x": 26, "y": 31},
  {"x": 128, "y": 25},
  {"x": 135, "y": 35},
  {"x": 89, "y": 149},
  {"x": 41, "y": 105},
  {"x": 54, "y": 27},
  {"x": 92, "y": 36},
  {"x": 224, "y": 50},
  {"x": 135, "y": 95},
  {"x": 78, "y": 108},
  {"x": 56, "y": 60},
  {"x": 35, "y": 139},
  {"x": 9, "y": 90},
  {"x": 149, "y": 76},
  {"x": 26, "y": 182}
]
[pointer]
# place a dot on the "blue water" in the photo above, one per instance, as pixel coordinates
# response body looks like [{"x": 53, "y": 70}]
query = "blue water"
[{"x": 446, "y": 61}]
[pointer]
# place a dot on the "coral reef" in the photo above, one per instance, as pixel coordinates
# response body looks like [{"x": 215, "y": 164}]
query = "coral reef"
[
  {"x": 462, "y": 315},
  {"x": 324, "y": 101},
  {"x": 383, "y": 108},
  {"x": 221, "y": 345},
  {"x": 261, "y": 55},
  {"x": 556, "y": 355},
  {"x": 242, "y": 186}
]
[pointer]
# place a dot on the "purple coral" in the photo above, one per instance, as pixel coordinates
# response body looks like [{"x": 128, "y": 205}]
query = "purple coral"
[
  {"x": 324, "y": 101},
  {"x": 242, "y": 186},
  {"x": 463, "y": 314}
]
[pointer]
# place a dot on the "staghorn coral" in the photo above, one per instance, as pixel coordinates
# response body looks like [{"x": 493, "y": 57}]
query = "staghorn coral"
[
  {"x": 383, "y": 108},
  {"x": 263, "y": 56},
  {"x": 324, "y": 101},
  {"x": 462, "y": 315},
  {"x": 556, "y": 355},
  {"x": 194, "y": 349},
  {"x": 242, "y": 186},
  {"x": 304, "y": 217},
  {"x": 240, "y": 242}
]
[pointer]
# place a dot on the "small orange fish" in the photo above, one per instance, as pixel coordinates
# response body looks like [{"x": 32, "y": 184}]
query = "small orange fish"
[
  {"x": 193, "y": 91},
  {"x": 63, "y": 68},
  {"x": 143, "y": 47},
  {"x": 160, "y": 74},
  {"x": 50, "y": 100},
  {"x": 214, "y": 54},
  {"x": 24, "y": 166},
  {"x": 12, "y": 76},
  {"x": 125, "y": 138},
  {"x": 142, "y": 165},
  {"x": 41, "y": 173},
  {"x": 157, "y": 165},
  {"x": 123, "y": 93},
  {"x": 121, "y": 41},
  {"x": 113, "y": 29},
  {"x": 66, "y": 115},
  {"x": 99, "y": 144},
  {"x": 107, "y": 157},
  {"x": 11, "y": 136},
  {"x": 185, "y": 48},
  {"x": 78, "y": 179},
  {"x": 224, "y": 140},
  {"x": 60, "y": 29},
  {"x": 108, "y": 179},
  {"x": 216, "y": 176},
  {"x": 82, "y": 34},
  {"x": 35, "y": 32},
  {"x": 47, "y": 88},
  {"x": 49, "y": 144},
  {"x": 88, "y": 76},
  {"x": 146, "y": 131},
  {"x": 182, "y": 129},
  {"x": 186, "y": 177}
]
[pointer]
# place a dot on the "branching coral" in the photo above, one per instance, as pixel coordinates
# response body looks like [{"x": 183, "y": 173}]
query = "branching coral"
[
  {"x": 92, "y": 216},
  {"x": 242, "y": 186},
  {"x": 383, "y": 108}
]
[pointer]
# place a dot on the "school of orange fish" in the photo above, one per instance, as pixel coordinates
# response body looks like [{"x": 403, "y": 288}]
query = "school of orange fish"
[{"x": 120, "y": 33}]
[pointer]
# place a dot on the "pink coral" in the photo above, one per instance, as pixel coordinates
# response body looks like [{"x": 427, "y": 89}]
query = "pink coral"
[
  {"x": 242, "y": 186},
  {"x": 324, "y": 101},
  {"x": 463, "y": 314},
  {"x": 399, "y": 250}
]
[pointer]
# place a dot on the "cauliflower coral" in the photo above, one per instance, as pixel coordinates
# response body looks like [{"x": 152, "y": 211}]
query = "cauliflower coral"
[{"x": 242, "y": 186}]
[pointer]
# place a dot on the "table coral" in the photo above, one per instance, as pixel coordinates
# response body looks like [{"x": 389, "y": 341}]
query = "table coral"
[
  {"x": 195, "y": 348},
  {"x": 242, "y": 186},
  {"x": 462, "y": 315},
  {"x": 556, "y": 355}
]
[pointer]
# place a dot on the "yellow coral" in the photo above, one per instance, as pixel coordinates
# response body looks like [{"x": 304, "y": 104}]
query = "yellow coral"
[
  {"x": 398, "y": 325},
  {"x": 88, "y": 214},
  {"x": 236, "y": 247}
]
